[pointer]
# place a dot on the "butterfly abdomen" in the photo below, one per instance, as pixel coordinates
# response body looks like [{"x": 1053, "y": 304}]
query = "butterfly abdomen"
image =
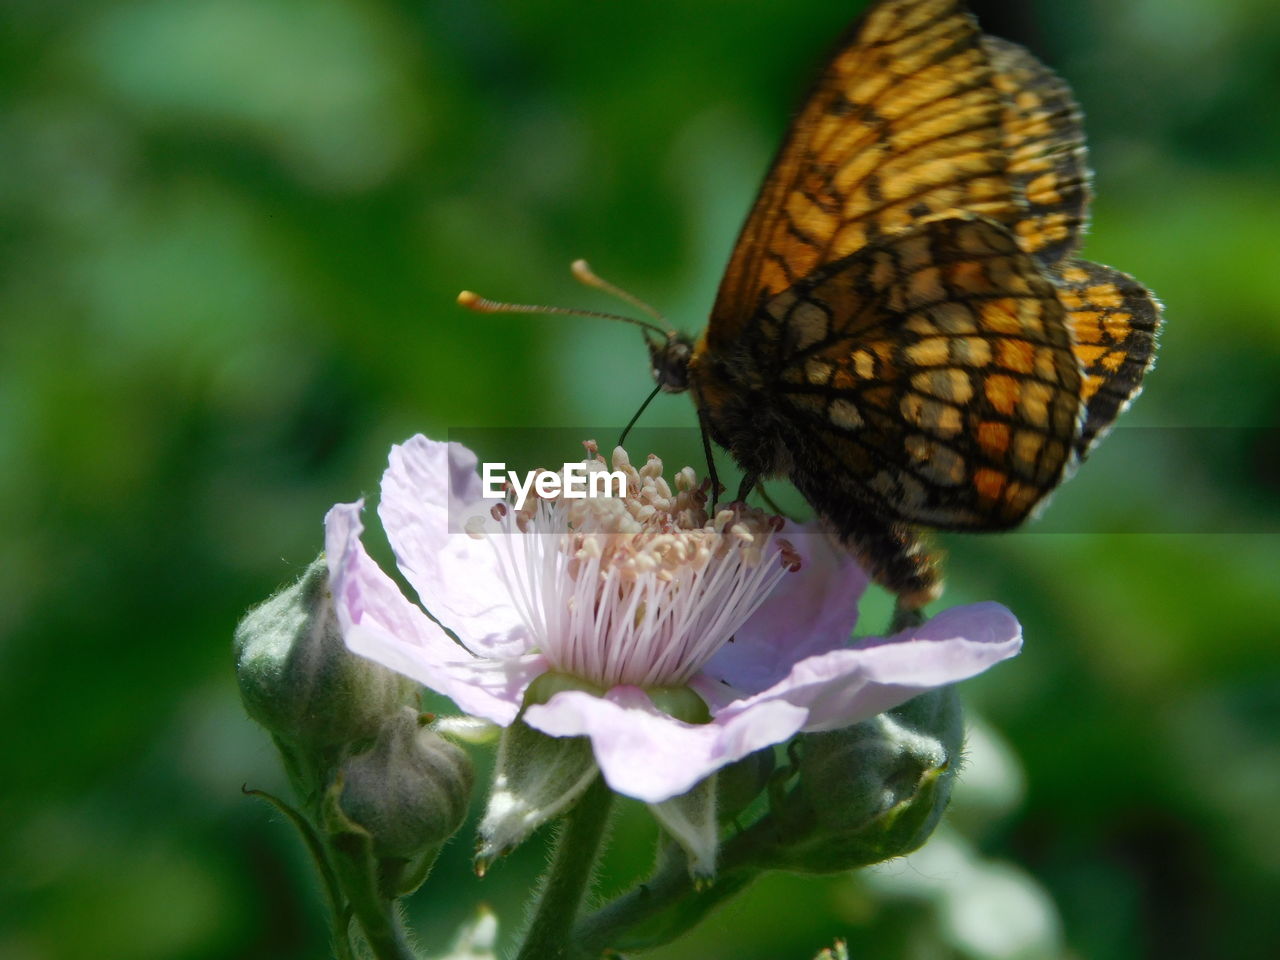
[{"x": 895, "y": 554}]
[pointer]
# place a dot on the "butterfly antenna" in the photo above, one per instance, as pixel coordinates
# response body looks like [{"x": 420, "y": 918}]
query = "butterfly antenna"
[
  {"x": 583, "y": 273},
  {"x": 473, "y": 301}
]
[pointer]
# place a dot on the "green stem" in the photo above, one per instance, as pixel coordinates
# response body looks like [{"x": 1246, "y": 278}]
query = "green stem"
[
  {"x": 339, "y": 918},
  {"x": 565, "y": 883},
  {"x": 375, "y": 913},
  {"x": 657, "y": 912},
  {"x": 384, "y": 932},
  {"x": 668, "y": 904}
]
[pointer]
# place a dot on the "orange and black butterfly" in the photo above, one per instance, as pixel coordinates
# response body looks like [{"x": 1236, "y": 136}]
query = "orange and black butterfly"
[{"x": 903, "y": 330}]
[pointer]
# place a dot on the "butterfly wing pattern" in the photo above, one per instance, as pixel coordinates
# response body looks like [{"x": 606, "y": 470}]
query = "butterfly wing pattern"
[
  {"x": 1043, "y": 142},
  {"x": 902, "y": 329},
  {"x": 1113, "y": 320},
  {"x": 904, "y": 123},
  {"x": 1112, "y": 317}
]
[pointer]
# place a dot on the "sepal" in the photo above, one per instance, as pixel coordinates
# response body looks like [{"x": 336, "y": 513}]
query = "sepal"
[
  {"x": 739, "y": 784},
  {"x": 690, "y": 820},
  {"x": 536, "y": 778}
]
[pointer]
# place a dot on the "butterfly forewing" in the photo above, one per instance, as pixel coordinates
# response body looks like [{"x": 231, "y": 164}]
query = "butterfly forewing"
[
  {"x": 1044, "y": 143},
  {"x": 904, "y": 123},
  {"x": 935, "y": 367}
]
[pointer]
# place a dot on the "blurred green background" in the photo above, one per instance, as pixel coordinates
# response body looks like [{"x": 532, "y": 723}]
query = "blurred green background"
[{"x": 230, "y": 238}]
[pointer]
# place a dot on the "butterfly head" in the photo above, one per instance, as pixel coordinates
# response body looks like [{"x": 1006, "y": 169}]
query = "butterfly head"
[{"x": 670, "y": 361}]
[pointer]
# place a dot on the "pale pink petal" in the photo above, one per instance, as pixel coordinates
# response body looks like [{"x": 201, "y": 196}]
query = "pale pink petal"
[
  {"x": 379, "y": 623},
  {"x": 647, "y": 754},
  {"x": 847, "y": 686},
  {"x": 429, "y": 490},
  {"x": 808, "y": 613},
  {"x": 716, "y": 694}
]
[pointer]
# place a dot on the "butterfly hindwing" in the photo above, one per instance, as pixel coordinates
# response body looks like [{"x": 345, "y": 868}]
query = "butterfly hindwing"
[
  {"x": 904, "y": 123},
  {"x": 1113, "y": 320},
  {"x": 933, "y": 372}
]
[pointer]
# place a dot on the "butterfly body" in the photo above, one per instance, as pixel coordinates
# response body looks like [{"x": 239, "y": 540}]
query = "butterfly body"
[{"x": 902, "y": 330}]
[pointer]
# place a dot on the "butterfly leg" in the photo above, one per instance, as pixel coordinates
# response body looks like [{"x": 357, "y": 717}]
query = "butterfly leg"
[
  {"x": 744, "y": 489},
  {"x": 705, "y": 427},
  {"x": 773, "y": 504}
]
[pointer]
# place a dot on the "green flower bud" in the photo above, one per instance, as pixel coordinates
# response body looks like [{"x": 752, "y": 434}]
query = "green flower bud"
[
  {"x": 297, "y": 677},
  {"x": 866, "y": 793},
  {"x": 410, "y": 790}
]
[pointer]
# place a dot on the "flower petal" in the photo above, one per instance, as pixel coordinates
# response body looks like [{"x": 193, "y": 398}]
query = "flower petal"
[
  {"x": 809, "y": 612},
  {"x": 427, "y": 487},
  {"x": 647, "y": 754},
  {"x": 847, "y": 686},
  {"x": 379, "y": 623}
]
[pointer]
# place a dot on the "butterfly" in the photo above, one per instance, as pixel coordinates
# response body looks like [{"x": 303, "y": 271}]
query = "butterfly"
[{"x": 903, "y": 330}]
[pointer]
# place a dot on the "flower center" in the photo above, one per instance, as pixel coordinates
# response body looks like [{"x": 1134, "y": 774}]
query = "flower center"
[{"x": 641, "y": 589}]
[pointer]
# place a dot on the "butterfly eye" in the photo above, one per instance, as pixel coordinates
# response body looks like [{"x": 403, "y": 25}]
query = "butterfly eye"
[{"x": 671, "y": 362}]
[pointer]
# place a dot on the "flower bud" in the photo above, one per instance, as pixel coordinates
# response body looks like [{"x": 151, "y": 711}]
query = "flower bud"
[
  {"x": 410, "y": 790},
  {"x": 868, "y": 792},
  {"x": 297, "y": 677}
]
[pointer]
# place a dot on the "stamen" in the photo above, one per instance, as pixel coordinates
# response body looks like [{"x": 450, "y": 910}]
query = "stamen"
[{"x": 639, "y": 589}]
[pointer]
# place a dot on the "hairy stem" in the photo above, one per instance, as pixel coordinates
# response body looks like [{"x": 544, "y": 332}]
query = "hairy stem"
[
  {"x": 669, "y": 904},
  {"x": 565, "y": 883}
]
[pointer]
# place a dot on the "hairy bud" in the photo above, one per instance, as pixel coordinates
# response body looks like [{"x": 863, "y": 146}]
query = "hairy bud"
[
  {"x": 298, "y": 679},
  {"x": 410, "y": 790}
]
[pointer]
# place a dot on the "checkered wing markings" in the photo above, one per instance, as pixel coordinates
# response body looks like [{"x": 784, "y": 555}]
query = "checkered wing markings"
[
  {"x": 936, "y": 368},
  {"x": 903, "y": 124},
  {"x": 1114, "y": 320},
  {"x": 1044, "y": 140}
]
